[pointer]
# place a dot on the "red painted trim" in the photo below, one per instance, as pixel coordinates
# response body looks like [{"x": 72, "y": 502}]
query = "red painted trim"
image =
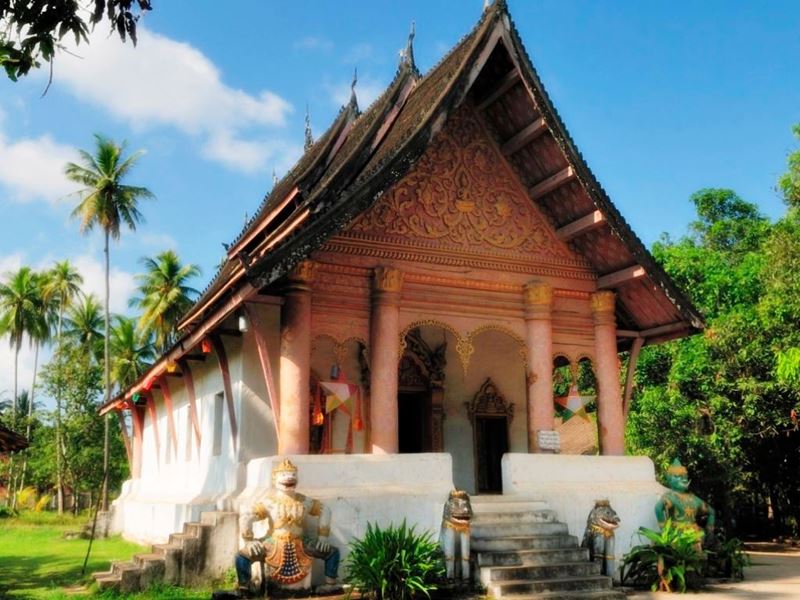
[
  {"x": 137, "y": 420},
  {"x": 222, "y": 358},
  {"x": 264, "y": 222},
  {"x": 151, "y": 408},
  {"x": 266, "y": 366},
  {"x": 123, "y": 427},
  {"x": 188, "y": 382},
  {"x": 170, "y": 415}
]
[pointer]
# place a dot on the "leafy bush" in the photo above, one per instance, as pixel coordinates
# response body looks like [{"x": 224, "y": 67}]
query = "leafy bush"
[
  {"x": 672, "y": 561},
  {"x": 394, "y": 563},
  {"x": 42, "y": 503},
  {"x": 727, "y": 559},
  {"x": 6, "y": 512},
  {"x": 26, "y": 498}
]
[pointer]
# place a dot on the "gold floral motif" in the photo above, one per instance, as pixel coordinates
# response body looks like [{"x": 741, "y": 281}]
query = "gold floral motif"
[
  {"x": 463, "y": 196},
  {"x": 388, "y": 279},
  {"x": 303, "y": 272},
  {"x": 538, "y": 293},
  {"x": 604, "y": 301}
]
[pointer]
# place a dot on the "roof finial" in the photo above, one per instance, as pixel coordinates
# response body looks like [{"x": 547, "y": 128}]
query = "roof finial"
[
  {"x": 407, "y": 53},
  {"x": 274, "y": 177},
  {"x": 486, "y": 5},
  {"x": 309, "y": 136}
]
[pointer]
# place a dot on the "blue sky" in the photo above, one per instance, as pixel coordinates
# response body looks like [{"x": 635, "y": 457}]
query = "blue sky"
[{"x": 662, "y": 98}]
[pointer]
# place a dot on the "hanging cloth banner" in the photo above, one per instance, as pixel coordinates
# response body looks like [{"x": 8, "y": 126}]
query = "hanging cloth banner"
[
  {"x": 573, "y": 404},
  {"x": 342, "y": 396}
]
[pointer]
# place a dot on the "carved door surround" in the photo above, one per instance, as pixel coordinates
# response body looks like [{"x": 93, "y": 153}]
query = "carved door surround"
[
  {"x": 422, "y": 369},
  {"x": 491, "y": 417}
]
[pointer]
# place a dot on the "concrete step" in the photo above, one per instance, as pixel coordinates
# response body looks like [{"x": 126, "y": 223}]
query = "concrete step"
[
  {"x": 173, "y": 554},
  {"x": 482, "y": 504},
  {"x": 195, "y": 528},
  {"x": 597, "y": 595},
  {"x": 523, "y": 542},
  {"x": 153, "y": 568},
  {"x": 496, "y": 529},
  {"x": 129, "y": 575},
  {"x": 544, "y": 556},
  {"x": 502, "y": 589},
  {"x": 516, "y": 516},
  {"x": 538, "y": 572},
  {"x": 211, "y": 517},
  {"x": 107, "y": 580}
]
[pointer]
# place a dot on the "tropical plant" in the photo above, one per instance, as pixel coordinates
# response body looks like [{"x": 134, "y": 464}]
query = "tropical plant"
[
  {"x": 62, "y": 287},
  {"x": 108, "y": 203},
  {"x": 394, "y": 563},
  {"x": 131, "y": 354},
  {"x": 726, "y": 557},
  {"x": 164, "y": 296},
  {"x": 672, "y": 561},
  {"x": 82, "y": 326},
  {"x": 19, "y": 315}
]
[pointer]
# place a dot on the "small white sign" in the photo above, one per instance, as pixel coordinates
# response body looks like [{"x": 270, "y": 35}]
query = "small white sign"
[{"x": 548, "y": 440}]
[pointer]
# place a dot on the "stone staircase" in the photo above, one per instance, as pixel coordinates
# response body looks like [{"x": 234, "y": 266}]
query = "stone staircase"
[
  {"x": 522, "y": 552},
  {"x": 203, "y": 551}
]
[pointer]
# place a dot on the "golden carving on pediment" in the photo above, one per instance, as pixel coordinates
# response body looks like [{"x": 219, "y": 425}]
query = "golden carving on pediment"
[{"x": 462, "y": 196}]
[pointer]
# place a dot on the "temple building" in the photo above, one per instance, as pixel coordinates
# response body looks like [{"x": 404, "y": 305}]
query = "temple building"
[{"x": 411, "y": 287}]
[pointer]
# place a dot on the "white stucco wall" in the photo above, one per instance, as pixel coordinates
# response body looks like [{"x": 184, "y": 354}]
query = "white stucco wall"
[
  {"x": 572, "y": 484},
  {"x": 362, "y": 488}
]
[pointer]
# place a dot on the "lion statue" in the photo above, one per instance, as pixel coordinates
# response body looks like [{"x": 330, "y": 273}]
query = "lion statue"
[
  {"x": 599, "y": 536},
  {"x": 456, "y": 520}
]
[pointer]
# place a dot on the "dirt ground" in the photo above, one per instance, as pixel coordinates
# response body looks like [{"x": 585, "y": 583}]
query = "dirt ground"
[{"x": 774, "y": 573}]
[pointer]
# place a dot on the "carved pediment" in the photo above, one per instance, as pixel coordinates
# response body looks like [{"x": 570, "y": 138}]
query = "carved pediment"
[{"x": 462, "y": 196}]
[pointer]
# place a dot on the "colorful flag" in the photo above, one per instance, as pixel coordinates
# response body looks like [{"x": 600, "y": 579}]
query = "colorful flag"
[{"x": 573, "y": 404}]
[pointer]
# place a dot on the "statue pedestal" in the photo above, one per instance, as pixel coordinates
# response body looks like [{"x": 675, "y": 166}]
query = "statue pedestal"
[{"x": 571, "y": 484}]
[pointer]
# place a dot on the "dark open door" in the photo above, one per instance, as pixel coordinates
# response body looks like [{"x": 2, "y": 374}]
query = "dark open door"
[{"x": 491, "y": 443}]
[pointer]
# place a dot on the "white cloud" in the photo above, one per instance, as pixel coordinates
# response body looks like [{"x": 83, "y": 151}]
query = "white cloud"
[
  {"x": 311, "y": 42},
  {"x": 122, "y": 283},
  {"x": 251, "y": 156},
  {"x": 161, "y": 241},
  {"x": 166, "y": 82},
  {"x": 33, "y": 168},
  {"x": 367, "y": 90},
  {"x": 9, "y": 263}
]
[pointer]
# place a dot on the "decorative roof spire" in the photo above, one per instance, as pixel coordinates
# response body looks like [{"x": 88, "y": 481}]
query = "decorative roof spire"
[
  {"x": 309, "y": 136},
  {"x": 407, "y": 53},
  {"x": 353, "y": 98},
  {"x": 274, "y": 178},
  {"x": 486, "y": 5}
]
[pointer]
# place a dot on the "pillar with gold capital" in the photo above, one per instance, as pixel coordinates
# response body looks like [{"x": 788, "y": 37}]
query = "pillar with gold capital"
[
  {"x": 538, "y": 297},
  {"x": 384, "y": 347},
  {"x": 295, "y": 362},
  {"x": 610, "y": 419}
]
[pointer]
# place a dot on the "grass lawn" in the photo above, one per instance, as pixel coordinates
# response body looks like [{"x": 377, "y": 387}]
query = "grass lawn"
[{"x": 36, "y": 562}]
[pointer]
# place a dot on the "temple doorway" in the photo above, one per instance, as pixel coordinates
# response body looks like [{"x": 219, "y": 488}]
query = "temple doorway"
[
  {"x": 491, "y": 416},
  {"x": 414, "y": 421}
]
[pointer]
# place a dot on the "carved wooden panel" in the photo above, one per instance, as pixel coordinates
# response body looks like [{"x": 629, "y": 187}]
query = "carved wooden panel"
[{"x": 463, "y": 197}]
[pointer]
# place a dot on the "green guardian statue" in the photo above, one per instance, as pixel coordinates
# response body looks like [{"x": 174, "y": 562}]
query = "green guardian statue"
[{"x": 682, "y": 507}]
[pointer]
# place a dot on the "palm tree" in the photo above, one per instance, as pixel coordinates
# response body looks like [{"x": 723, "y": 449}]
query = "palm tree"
[
  {"x": 19, "y": 297},
  {"x": 83, "y": 324},
  {"x": 107, "y": 203},
  {"x": 39, "y": 333},
  {"x": 165, "y": 297},
  {"x": 132, "y": 353},
  {"x": 62, "y": 287}
]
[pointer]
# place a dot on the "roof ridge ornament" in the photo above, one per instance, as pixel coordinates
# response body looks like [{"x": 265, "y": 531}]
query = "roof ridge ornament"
[
  {"x": 309, "y": 135},
  {"x": 353, "y": 97},
  {"x": 407, "y": 53},
  {"x": 274, "y": 178}
]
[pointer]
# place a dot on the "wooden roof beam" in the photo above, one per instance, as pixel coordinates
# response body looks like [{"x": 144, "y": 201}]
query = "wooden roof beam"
[
  {"x": 551, "y": 183},
  {"x": 524, "y": 137},
  {"x": 617, "y": 278},
  {"x": 580, "y": 226},
  {"x": 508, "y": 81}
]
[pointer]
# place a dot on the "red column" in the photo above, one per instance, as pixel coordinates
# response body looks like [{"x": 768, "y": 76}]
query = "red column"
[
  {"x": 295, "y": 362},
  {"x": 384, "y": 347},
  {"x": 611, "y": 423},
  {"x": 539, "y": 325}
]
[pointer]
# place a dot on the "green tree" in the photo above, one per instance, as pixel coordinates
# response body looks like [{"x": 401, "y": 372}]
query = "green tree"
[
  {"x": 131, "y": 353},
  {"x": 32, "y": 31},
  {"x": 83, "y": 325},
  {"x": 62, "y": 287},
  {"x": 789, "y": 182},
  {"x": 108, "y": 203},
  {"x": 164, "y": 296},
  {"x": 19, "y": 315}
]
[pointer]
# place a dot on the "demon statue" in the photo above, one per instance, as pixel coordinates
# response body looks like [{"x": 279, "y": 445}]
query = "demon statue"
[
  {"x": 682, "y": 507},
  {"x": 455, "y": 533},
  {"x": 599, "y": 536},
  {"x": 284, "y": 550}
]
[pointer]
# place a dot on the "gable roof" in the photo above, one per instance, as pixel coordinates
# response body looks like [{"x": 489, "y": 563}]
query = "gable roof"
[{"x": 362, "y": 154}]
